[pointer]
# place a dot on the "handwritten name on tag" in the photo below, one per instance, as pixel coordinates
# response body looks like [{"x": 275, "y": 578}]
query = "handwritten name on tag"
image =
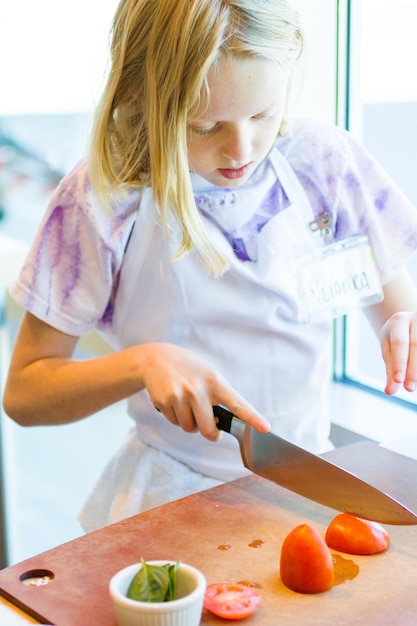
[{"x": 339, "y": 278}]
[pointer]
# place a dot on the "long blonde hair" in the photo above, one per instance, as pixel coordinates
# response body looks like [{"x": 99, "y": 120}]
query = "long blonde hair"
[{"x": 161, "y": 53}]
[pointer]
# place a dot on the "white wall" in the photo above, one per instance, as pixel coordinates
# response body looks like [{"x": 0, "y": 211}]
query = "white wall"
[{"x": 53, "y": 54}]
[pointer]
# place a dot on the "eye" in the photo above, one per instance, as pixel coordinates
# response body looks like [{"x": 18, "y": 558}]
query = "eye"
[
  {"x": 264, "y": 117},
  {"x": 204, "y": 132}
]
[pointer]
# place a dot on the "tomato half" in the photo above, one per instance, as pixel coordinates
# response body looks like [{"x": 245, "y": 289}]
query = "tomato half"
[
  {"x": 306, "y": 564},
  {"x": 350, "y": 534},
  {"x": 231, "y": 601}
]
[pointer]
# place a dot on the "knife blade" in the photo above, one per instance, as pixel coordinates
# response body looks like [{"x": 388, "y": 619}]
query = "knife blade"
[{"x": 310, "y": 475}]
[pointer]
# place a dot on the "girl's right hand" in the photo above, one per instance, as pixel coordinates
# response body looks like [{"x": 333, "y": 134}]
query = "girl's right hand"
[
  {"x": 60, "y": 390},
  {"x": 184, "y": 388}
]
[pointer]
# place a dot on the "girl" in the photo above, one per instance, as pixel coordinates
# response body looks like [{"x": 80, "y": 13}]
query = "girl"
[{"x": 192, "y": 239}]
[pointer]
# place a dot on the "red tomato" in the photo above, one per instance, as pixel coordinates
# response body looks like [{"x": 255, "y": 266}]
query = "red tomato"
[
  {"x": 306, "y": 563},
  {"x": 347, "y": 533},
  {"x": 231, "y": 601}
]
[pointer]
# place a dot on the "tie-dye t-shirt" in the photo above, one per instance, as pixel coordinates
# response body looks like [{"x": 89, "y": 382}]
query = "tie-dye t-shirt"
[{"x": 70, "y": 277}]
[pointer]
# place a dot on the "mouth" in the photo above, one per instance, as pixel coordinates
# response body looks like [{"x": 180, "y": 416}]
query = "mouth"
[{"x": 234, "y": 173}]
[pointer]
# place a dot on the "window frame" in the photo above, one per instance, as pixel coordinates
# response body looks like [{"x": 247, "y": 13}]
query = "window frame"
[{"x": 349, "y": 116}]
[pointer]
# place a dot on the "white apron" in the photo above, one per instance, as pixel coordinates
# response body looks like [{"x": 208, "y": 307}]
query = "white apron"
[{"x": 245, "y": 324}]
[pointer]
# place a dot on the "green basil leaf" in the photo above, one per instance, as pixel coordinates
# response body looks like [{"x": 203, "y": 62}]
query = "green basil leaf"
[
  {"x": 150, "y": 584},
  {"x": 172, "y": 571}
]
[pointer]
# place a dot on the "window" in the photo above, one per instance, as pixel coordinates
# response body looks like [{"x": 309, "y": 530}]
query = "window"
[
  {"x": 382, "y": 112},
  {"x": 51, "y": 77}
]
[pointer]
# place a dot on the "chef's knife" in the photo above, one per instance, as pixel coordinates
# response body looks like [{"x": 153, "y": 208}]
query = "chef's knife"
[{"x": 310, "y": 475}]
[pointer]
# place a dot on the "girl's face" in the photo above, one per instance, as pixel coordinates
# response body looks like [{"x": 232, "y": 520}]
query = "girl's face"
[{"x": 234, "y": 130}]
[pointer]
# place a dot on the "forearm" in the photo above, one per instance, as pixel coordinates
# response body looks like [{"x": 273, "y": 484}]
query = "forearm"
[
  {"x": 45, "y": 386},
  {"x": 58, "y": 390}
]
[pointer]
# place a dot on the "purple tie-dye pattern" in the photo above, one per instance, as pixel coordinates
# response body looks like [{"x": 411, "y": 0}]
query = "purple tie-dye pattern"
[
  {"x": 243, "y": 238},
  {"x": 78, "y": 254},
  {"x": 107, "y": 317},
  {"x": 53, "y": 236},
  {"x": 319, "y": 203},
  {"x": 382, "y": 199},
  {"x": 352, "y": 181}
]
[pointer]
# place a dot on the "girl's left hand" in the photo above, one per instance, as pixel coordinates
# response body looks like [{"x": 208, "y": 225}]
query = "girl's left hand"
[
  {"x": 394, "y": 319},
  {"x": 399, "y": 351}
]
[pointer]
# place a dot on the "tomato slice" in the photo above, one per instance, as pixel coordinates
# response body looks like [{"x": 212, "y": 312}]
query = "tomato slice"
[
  {"x": 306, "y": 565},
  {"x": 352, "y": 535},
  {"x": 231, "y": 600}
]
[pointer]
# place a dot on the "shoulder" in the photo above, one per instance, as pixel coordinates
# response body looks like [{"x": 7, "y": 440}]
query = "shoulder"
[
  {"x": 75, "y": 192},
  {"x": 71, "y": 272},
  {"x": 76, "y": 213},
  {"x": 335, "y": 170},
  {"x": 319, "y": 155},
  {"x": 341, "y": 177},
  {"x": 312, "y": 146}
]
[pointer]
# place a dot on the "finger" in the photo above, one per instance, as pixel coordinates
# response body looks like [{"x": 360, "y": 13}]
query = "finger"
[
  {"x": 391, "y": 387},
  {"x": 393, "y": 382},
  {"x": 410, "y": 382},
  {"x": 186, "y": 419},
  {"x": 246, "y": 412},
  {"x": 396, "y": 350},
  {"x": 182, "y": 416},
  {"x": 206, "y": 423}
]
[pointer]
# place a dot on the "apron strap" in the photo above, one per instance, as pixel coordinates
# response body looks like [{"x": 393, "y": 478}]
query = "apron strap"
[
  {"x": 294, "y": 191},
  {"x": 135, "y": 254}
]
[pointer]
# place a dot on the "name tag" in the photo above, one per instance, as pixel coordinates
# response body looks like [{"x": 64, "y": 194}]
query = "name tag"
[{"x": 338, "y": 278}]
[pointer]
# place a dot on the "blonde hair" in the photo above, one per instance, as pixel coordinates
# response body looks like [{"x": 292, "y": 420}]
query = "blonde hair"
[{"x": 161, "y": 53}]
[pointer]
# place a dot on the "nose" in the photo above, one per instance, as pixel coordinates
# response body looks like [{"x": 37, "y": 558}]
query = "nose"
[{"x": 237, "y": 145}]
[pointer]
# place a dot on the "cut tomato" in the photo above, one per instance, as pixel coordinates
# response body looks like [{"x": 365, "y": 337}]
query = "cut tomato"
[
  {"x": 306, "y": 564},
  {"x": 350, "y": 534},
  {"x": 231, "y": 601}
]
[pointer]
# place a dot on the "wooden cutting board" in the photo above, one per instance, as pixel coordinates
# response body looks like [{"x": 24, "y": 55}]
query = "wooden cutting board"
[{"x": 250, "y": 517}]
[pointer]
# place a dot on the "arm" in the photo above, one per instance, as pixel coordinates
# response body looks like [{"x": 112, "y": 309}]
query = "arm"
[
  {"x": 45, "y": 386},
  {"x": 395, "y": 320}
]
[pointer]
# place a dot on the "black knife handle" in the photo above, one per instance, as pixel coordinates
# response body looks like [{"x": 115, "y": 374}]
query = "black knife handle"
[{"x": 223, "y": 418}]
